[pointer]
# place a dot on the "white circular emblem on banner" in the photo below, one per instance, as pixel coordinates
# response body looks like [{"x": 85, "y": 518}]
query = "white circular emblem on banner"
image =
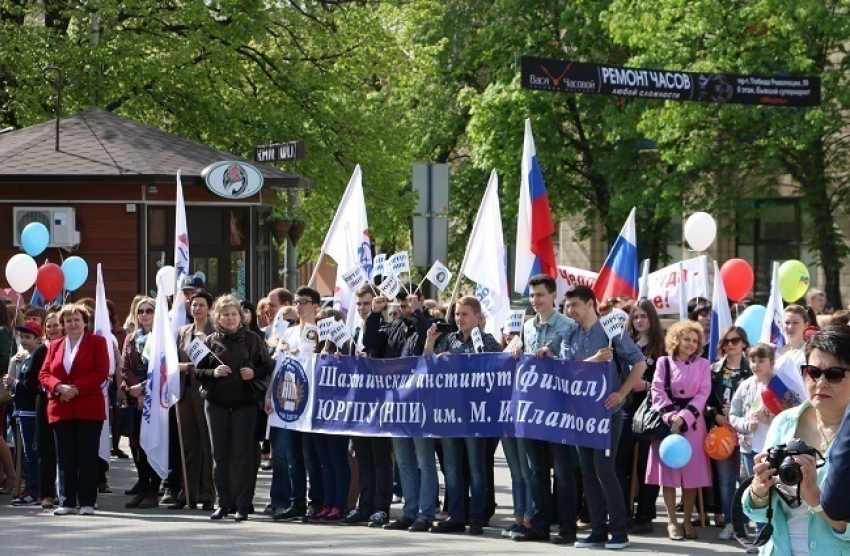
[{"x": 232, "y": 180}]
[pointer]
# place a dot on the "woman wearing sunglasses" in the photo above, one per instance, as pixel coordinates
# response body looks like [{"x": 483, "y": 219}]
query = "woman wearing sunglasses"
[
  {"x": 806, "y": 529},
  {"x": 134, "y": 373},
  {"x": 726, "y": 375}
]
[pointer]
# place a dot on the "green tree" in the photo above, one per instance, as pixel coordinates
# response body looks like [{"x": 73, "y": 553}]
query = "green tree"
[{"x": 756, "y": 145}]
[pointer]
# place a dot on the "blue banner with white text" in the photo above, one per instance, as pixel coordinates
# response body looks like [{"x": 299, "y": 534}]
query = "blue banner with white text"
[{"x": 485, "y": 395}]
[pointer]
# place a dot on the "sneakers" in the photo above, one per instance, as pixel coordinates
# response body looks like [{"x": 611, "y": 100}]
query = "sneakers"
[
  {"x": 593, "y": 541},
  {"x": 319, "y": 516},
  {"x": 378, "y": 519},
  {"x": 63, "y": 510},
  {"x": 618, "y": 542},
  {"x": 25, "y": 499},
  {"x": 727, "y": 534},
  {"x": 399, "y": 524},
  {"x": 506, "y": 533},
  {"x": 87, "y": 510},
  {"x": 396, "y": 499},
  {"x": 333, "y": 516},
  {"x": 355, "y": 517},
  {"x": 421, "y": 525}
]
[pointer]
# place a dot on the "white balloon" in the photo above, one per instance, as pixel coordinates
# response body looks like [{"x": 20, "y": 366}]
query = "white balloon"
[
  {"x": 700, "y": 231},
  {"x": 167, "y": 275},
  {"x": 21, "y": 272}
]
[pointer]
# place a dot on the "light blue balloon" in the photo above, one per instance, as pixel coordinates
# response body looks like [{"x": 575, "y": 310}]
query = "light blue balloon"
[
  {"x": 76, "y": 271},
  {"x": 751, "y": 320},
  {"x": 675, "y": 451},
  {"x": 35, "y": 238}
]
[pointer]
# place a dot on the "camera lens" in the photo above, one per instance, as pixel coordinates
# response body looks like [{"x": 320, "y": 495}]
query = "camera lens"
[{"x": 790, "y": 472}]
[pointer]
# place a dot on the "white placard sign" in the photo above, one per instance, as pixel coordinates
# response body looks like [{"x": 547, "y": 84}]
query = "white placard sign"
[
  {"x": 614, "y": 323},
  {"x": 400, "y": 263},
  {"x": 339, "y": 333},
  {"x": 378, "y": 265},
  {"x": 439, "y": 275},
  {"x": 514, "y": 322},
  {"x": 355, "y": 278},
  {"x": 197, "y": 351},
  {"x": 477, "y": 340},
  {"x": 325, "y": 326},
  {"x": 390, "y": 286}
]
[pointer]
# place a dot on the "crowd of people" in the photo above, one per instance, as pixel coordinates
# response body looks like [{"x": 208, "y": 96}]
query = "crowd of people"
[{"x": 64, "y": 390}]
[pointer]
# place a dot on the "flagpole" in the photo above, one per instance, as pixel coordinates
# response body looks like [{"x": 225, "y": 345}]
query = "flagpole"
[
  {"x": 316, "y": 270},
  {"x": 420, "y": 285}
]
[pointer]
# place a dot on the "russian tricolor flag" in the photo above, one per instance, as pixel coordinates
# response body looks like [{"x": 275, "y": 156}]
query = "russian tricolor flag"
[
  {"x": 534, "y": 251},
  {"x": 619, "y": 274},
  {"x": 778, "y": 396},
  {"x": 721, "y": 316},
  {"x": 771, "y": 329}
]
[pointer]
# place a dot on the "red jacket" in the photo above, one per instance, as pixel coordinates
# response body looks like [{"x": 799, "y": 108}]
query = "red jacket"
[{"x": 89, "y": 371}]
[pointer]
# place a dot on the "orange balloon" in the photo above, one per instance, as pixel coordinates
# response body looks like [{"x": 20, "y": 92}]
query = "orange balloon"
[{"x": 720, "y": 442}]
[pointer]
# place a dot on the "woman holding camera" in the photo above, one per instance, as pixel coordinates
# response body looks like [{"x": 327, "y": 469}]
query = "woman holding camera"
[{"x": 805, "y": 529}]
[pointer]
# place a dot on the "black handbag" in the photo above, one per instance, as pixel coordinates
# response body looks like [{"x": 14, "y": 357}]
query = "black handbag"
[{"x": 647, "y": 423}]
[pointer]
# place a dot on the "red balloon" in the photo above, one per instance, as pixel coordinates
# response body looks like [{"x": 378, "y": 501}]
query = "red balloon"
[
  {"x": 738, "y": 278},
  {"x": 50, "y": 281}
]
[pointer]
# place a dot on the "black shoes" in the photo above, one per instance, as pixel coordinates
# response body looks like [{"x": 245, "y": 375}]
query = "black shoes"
[
  {"x": 399, "y": 524},
  {"x": 241, "y": 515},
  {"x": 150, "y": 501},
  {"x": 420, "y": 525},
  {"x": 476, "y": 529},
  {"x": 178, "y": 505},
  {"x": 530, "y": 535},
  {"x": 120, "y": 454},
  {"x": 449, "y": 526},
  {"x": 137, "y": 499},
  {"x": 289, "y": 514},
  {"x": 355, "y": 517},
  {"x": 564, "y": 538},
  {"x": 220, "y": 513}
]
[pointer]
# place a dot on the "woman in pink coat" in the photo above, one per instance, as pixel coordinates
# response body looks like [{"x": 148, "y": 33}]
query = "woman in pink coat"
[{"x": 682, "y": 408}]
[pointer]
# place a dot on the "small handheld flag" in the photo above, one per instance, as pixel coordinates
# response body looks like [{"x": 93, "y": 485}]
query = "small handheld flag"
[
  {"x": 514, "y": 322},
  {"x": 439, "y": 275}
]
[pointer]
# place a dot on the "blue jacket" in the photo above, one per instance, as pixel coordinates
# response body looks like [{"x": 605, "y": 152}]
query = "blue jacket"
[
  {"x": 833, "y": 496},
  {"x": 823, "y": 539}
]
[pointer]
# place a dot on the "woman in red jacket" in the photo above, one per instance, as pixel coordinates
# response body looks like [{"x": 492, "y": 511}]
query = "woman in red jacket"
[{"x": 74, "y": 370}]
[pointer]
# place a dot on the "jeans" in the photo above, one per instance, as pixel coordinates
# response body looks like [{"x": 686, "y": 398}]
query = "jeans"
[
  {"x": 26, "y": 424},
  {"x": 647, "y": 494},
  {"x": 77, "y": 443},
  {"x": 315, "y": 492},
  {"x": 332, "y": 450},
  {"x": 517, "y": 459},
  {"x": 749, "y": 463},
  {"x": 288, "y": 488},
  {"x": 538, "y": 460},
  {"x": 602, "y": 488},
  {"x": 417, "y": 466},
  {"x": 727, "y": 473},
  {"x": 454, "y": 451}
]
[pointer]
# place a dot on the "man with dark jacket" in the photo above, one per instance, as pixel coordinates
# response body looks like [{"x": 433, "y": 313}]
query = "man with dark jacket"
[{"x": 374, "y": 454}]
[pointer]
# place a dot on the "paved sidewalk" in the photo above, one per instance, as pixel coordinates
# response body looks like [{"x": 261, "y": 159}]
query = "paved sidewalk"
[{"x": 115, "y": 531}]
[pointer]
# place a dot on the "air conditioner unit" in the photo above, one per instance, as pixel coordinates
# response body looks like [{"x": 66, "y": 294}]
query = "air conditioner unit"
[{"x": 61, "y": 222}]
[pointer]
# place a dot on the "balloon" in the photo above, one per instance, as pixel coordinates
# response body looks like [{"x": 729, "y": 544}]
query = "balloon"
[
  {"x": 793, "y": 280},
  {"x": 76, "y": 270},
  {"x": 50, "y": 281},
  {"x": 21, "y": 272},
  {"x": 738, "y": 278},
  {"x": 35, "y": 238},
  {"x": 167, "y": 275},
  {"x": 751, "y": 320},
  {"x": 700, "y": 230},
  {"x": 675, "y": 451},
  {"x": 720, "y": 442}
]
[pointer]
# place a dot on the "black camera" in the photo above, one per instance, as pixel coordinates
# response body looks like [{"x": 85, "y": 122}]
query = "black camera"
[{"x": 781, "y": 458}]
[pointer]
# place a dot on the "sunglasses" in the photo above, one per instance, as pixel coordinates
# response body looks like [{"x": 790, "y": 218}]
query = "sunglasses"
[
  {"x": 731, "y": 341},
  {"x": 834, "y": 375},
  {"x": 145, "y": 311}
]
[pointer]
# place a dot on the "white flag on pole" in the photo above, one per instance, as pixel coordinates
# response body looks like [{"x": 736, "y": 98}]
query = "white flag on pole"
[
  {"x": 325, "y": 326},
  {"x": 514, "y": 321},
  {"x": 390, "y": 286},
  {"x": 347, "y": 240},
  {"x": 181, "y": 260},
  {"x": 400, "y": 263},
  {"x": 355, "y": 278},
  {"x": 378, "y": 267},
  {"x": 162, "y": 389},
  {"x": 484, "y": 262},
  {"x": 102, "y": 327},
  {"x": 614, "y": 323},
  {"x": 279, "y": 325},
  {"x": 340, "y": 334},
  {"x": 772, "y": 331},
  {"x": 439, "y": 275},
  {"x": 197, "y": 351}
]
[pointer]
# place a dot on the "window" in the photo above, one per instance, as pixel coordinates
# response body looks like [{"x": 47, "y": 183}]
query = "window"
[{"x": 771, "y": 230}]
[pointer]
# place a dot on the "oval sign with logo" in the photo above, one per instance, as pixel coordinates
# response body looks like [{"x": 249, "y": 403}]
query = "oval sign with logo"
[{"x": 232, "y": 180}]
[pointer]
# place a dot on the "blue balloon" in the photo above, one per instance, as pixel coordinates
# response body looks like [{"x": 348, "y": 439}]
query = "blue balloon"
[
  {"x": 675, "y": 451},
  {"x": 76, "y": 271},
  {"x": 35, "y": 238},
  {"x": 751, "y": 320}
]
